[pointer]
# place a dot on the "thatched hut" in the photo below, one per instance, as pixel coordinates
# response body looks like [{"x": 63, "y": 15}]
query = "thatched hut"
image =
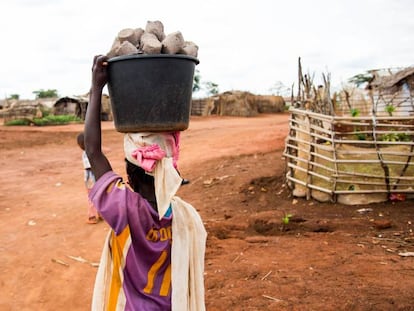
[
  {"x": 392, "y": 91},
  {"x": 106, "y": 112},
  {"x": 21, "y": 109},
  {"x": 238, "y": 103},
  {"x": 71, "y": 106},
  {"x": 235, "y": 103},
  {"x": 77, "y": 105},
  {"x": 270, "y": 103},
  {"x": 391, "y": 83},
  {"x": 202, "y": 106}
]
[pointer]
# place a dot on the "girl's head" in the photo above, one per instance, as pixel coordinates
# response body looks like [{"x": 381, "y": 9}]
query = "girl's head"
[
  {"x": 81, "y": 141},
  {"x": 151, "y": 160},
  {"x": 138, "y": 179}
]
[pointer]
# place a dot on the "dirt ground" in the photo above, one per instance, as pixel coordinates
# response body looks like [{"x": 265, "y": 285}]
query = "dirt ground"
[{"x": 328, "y": 257}]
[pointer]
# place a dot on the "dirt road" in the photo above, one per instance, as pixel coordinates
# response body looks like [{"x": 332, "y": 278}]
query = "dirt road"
[{"x": 329, "y": 257}]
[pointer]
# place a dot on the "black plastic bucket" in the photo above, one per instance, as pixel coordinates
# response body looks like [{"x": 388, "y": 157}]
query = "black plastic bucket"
[{"x": 151, "y": 93}]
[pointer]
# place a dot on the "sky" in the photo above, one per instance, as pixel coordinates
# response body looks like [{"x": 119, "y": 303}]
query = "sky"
[{"x": 243, "y": 45}]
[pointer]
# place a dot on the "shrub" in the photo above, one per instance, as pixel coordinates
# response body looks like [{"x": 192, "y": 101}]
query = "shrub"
[
  {"x": 46, "y": 120},
  {"x": 17, "y": 122}
]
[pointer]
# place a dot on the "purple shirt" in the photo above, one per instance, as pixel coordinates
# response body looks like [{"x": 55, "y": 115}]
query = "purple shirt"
[{"x": 140, "y": 246}]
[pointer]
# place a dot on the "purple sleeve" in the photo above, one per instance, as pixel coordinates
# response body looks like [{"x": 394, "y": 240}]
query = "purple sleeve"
[{"x": 111, "y": 197}]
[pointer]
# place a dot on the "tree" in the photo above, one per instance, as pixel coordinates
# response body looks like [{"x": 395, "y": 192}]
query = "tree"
[
  {"x": 14, "y": 96},
  {"x": 209, "y": 87},
  {"x": 361, "y": 78},
  {"x": 46, "y": 93},
  {"x": 196, "y": 81},
  {"x": 280, "y": 89}
]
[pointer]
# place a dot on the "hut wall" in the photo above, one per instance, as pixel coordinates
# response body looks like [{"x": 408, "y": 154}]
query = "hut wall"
[
  {"x": 202, "y": 107},
  {"x": 65, "y": 108}
]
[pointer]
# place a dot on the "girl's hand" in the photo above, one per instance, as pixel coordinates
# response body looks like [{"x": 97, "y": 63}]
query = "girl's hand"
[{"x": 99, "y": 71}]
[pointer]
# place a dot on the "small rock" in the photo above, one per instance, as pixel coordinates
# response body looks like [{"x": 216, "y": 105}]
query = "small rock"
[
  {"x": 382, "y": 224},
  {"x": 406, "y": 254},
  {"x": 31, "y": 223}
]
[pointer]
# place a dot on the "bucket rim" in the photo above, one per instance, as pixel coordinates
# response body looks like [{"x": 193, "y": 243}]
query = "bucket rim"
[{"x": 146, "y": 56}]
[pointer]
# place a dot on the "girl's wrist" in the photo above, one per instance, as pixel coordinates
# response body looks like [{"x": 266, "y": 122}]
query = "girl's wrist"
[{"x": 95, "y": 89}]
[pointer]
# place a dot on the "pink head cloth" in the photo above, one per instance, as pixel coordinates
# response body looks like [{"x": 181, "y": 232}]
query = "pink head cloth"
[
  {"x": 165, "y": 144},
  {"x": 148, "y": 156}
]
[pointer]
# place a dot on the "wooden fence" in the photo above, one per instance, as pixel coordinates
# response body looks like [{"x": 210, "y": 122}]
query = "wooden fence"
[{"x": 350, "y": 160}]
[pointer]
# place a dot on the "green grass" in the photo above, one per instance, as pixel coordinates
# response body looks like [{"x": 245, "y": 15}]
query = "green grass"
[{"x": 47, "y": 120}]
